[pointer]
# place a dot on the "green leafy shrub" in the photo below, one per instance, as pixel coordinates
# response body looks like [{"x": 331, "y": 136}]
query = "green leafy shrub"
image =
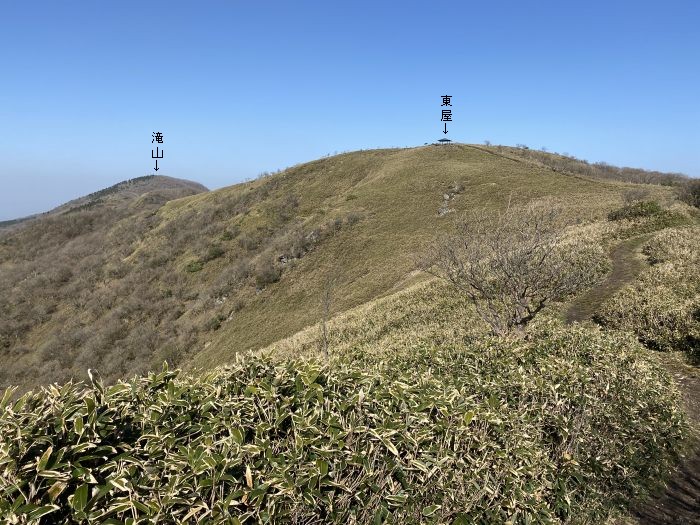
[
  {"x": 230, "y": 233},
  {"x": 645, "y": 217},
  {"x": 215, "y": 322},
  {"x": 656, "y": 315},
  {"x": 636, "y": 210},
  {"x": 557, "y": 426},
  {"x": 194, "y": 266},
  {"x": 662, "y": 307},
  {"x": 214, "y": 252}
]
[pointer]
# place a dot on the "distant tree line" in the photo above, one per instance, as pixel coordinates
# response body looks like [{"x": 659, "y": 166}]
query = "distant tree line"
[{"x": 688, "y": 188}]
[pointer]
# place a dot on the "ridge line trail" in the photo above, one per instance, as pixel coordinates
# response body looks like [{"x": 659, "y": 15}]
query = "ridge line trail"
[
  {"x": 627, "y": 263},
  {"x": 678, "y": 502}
]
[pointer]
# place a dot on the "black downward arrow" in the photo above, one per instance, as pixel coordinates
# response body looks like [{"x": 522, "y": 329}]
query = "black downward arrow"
[
  {"x": 443, "y": 131},
  {"x": 157, "y": 161}
]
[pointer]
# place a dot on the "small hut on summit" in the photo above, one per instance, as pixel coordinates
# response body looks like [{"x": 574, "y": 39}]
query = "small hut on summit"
[{"x": 444, "y": 141}]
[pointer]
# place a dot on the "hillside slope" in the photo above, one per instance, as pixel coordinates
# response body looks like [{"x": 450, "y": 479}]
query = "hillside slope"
[
  {"x": 401, "y": 196},
  {"x": 50, "y": 264},
  {"x": 565, "y": 424},
  {"x": 198, "y": 279}
]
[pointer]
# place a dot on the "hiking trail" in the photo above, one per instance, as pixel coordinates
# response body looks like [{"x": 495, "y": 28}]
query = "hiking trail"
[{"x": 678, "y": 502}]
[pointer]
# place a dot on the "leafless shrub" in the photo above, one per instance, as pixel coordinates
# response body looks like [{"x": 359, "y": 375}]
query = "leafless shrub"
[
  {"x": 267, "y": 272},
  {"x": 634, "y": 195},
  {"x": 353, "y": 217},
  {"x": 248, "y": 242},
  {"x": 690, "y": 192},
  {"x": 285, "y": 210},
  {"x": 335, "y": 225},
  {"x": 513, "y": 264}
]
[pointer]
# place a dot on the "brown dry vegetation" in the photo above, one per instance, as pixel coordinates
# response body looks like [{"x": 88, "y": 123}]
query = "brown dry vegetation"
[
  {"x": 123, "y": 285},
  {"x": 560, "y": 424},
  {"x": 514, "y": 264},
  {"x": 601, "y": 170}
]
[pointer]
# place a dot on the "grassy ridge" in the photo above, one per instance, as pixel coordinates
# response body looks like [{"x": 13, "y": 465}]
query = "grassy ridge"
[
  {"x": 399, "y": 193},
  {"x": 196, "y": 281},
  {"x": 417, "y": 417}
]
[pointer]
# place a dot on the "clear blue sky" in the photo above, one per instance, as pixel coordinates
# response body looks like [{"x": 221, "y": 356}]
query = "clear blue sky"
[{"x": 243, "y": 87}]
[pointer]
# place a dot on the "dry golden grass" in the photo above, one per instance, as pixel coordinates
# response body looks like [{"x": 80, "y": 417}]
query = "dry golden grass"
[
  {"x": 399, "y": 192},
  {"x": 198, "y": 280}
]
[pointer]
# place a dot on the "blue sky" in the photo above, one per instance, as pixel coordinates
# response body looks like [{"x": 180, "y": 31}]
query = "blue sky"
[{"x": 238, "y": 88}]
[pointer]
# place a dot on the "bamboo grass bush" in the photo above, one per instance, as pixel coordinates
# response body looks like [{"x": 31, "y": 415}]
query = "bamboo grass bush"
[
  {"x": 560, "y": 425},
  {"x": 662, "y": 307}
]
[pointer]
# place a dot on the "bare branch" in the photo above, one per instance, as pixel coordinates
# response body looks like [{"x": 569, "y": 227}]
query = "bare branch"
[{"x": 513, "y": 264}]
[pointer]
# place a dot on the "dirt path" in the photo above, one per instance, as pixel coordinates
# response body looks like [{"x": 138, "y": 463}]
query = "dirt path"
[
  {"x": 627, "y": 262},
  {"x": 678, "y": 503}
]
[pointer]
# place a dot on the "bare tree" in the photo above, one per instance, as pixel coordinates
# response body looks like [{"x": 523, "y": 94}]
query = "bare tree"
[{"x": 511, "y": 265}]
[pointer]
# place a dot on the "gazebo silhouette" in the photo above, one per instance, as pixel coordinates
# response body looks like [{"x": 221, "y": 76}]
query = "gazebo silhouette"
[{"x": 444, "y": 141}]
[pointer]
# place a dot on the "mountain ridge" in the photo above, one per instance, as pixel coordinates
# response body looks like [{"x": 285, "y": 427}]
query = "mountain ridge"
[
  {"x": 196, "y": 280},
  {"x": 125, "y": 189}
]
